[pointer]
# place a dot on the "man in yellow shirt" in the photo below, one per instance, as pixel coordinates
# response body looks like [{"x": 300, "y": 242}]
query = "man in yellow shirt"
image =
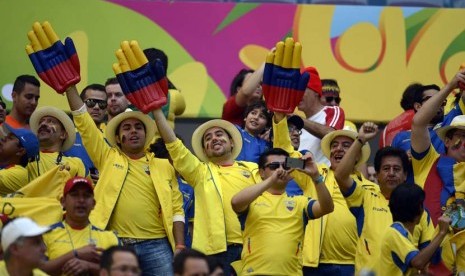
[
  {"x": 73, "y": 245},
  {"x": 17, "y": 149},
  {"x": 371, "y": 206},
  {"x": 56, "y": 134},
  {"x": 23, "y": 247},
  {"x": 274, "y": 222}
]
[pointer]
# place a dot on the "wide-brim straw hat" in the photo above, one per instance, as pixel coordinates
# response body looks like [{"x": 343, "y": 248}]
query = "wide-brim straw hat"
[{"x": 197, "y": 137}]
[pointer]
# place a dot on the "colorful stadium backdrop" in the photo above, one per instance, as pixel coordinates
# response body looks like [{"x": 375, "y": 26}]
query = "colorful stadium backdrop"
[{"x": 374, "y": 52}]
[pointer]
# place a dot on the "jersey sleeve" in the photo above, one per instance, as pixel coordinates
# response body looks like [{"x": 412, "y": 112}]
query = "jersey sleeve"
[
  {"x": 354, "y": 197},
  {"x": 335, "y": 117},
  {"x": 402, "y": 249}
]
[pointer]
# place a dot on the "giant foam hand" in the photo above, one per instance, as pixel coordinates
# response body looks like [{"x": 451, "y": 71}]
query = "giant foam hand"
[
  {"x": 57, "y": 64},
  {"x": 283, "y": 85},
  {"x": 143, "y": 83}
]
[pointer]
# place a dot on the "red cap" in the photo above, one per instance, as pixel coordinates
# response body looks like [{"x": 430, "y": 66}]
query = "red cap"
[
  {"x": 314, "y": 83},
  {"x": 75, "y": 181}
]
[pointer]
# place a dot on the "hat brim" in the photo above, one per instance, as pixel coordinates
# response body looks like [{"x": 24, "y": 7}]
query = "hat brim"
[
  {"x": 61, "y": 116},
  {"x": 197, "y": 138},
  {"x": 296, "y": 120},
  {"x": 328, "y": 138},
  {"x": 113, "y": 124},
  {"x": 442, "y": 131}
]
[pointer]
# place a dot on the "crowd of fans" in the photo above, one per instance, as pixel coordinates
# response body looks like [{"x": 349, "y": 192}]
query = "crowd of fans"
[{"x": 264, "y": 192}]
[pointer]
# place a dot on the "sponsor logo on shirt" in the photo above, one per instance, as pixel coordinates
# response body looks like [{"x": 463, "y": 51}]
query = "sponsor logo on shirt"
[
  {"x": 246, "y": 174},
  {"x": 380, "y": 209}
]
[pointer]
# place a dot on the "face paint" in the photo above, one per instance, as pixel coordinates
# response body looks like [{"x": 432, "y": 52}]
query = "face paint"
[{"x": 457, "y": 144}]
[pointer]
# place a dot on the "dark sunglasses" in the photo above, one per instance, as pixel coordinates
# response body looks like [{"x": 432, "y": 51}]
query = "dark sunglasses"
[
  {"x": 429, "y": 97},
  {"x": 275, "y": 165},
  {"x": 92, "y": 102},
  {"x": 293, "y": 128},
  {"x": 330, "y": 99}
]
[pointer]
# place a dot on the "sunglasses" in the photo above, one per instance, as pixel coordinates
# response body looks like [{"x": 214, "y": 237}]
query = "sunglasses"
[
  {"x": 292, "y": 129},
  {"x": 3, "y": 105},
  {"x": 429, "y": 97},
  {"x": 330, "y": 99},
  {"x": 275, "y": 165},
  {"x": 90, "y": 103}
]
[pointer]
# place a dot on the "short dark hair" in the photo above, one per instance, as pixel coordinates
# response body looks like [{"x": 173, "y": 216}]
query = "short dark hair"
[
  {"x": 259, "y": 104},
  {"x": 21, "y": 81},
  {"x": 264, "y": 156},
  {"x": 111, "y": 81},
  {"x": 408, "y": 96},
  {"x": 330, "y": 86},
  {"x": 406, "y": 202},
  {"x": 180, "y": 259},
  {"x": 418, "y": 95},
  {"x": 238, "y": 81},
  {"x": 106, "y": 260},
  {"x": 391, "y": 151},
  {"x": 94, "y": 86}
]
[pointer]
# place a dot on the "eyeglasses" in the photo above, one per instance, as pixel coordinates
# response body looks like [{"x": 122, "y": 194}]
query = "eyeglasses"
[
  {"x": 429, "y": 97},
  {"x": 275, "y": 165},
  {"x": 127, "y": 269},
  {"x": 92, "y": 102},
  {"x": 293, "y": 128},
  {"x": 330, "y": 99}
]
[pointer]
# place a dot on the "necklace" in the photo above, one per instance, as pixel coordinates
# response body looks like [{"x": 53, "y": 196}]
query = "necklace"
[{"x": 91, "y": 241}]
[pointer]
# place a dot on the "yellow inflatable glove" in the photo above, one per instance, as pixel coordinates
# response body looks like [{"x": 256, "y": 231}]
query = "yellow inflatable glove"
[
  {"x": 283, "y": 84},
  {"x": 144, "y": 83},
  {"x": 57, "y": 64}
]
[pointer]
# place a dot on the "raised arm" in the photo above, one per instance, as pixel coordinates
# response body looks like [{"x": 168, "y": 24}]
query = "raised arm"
[
  {"x": 240, "y": 202},
  {"x": 425, "y": 255},
  {"x": 420, "y": 139},
  {"x": 249, "y": 86},
  {"x": 347, "y": 165}
]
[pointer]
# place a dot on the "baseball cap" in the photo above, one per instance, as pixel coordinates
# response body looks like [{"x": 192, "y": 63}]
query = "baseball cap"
[
  {"x": 72, "y": 182},
  {"x": 27, "y": 140},
  {"x": 20, "y": 227},
  {"x": 314, "y": 83},
  {"x": 296, "y": 121}
]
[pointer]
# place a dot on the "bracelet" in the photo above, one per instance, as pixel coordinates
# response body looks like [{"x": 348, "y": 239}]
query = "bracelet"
[
  {"x": 75, "y": 253},
  {"x": 360, "y": 141},
  {"x": 319, "y": 179},
  {"x": 180, "y": 246}
]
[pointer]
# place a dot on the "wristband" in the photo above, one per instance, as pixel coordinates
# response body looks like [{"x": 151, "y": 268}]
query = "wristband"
[
  {"x": 319, "y": 179},
  {"x": 75, "y": 253},
  {"x": 180, "y": 246},
  {"x": 360, "y": 141}
]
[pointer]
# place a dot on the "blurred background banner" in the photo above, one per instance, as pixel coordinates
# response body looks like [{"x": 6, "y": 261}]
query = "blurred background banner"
[{"x": 374, "y": 52}]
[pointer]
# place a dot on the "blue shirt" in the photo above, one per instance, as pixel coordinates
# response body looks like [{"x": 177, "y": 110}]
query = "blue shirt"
[
  {"x": 252, "y": 147},
  {"x": 188, "y": 205}
]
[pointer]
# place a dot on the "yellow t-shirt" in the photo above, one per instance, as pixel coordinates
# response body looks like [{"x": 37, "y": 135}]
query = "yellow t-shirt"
[
  {"x": 397, "y": 252},
  {"x": 371, "y": 210},
  {"x": 12, "y": 179},
  {"x": 137, "y": 213},
  {"x": 62, "y": 239},
  {"x": 233, "y": 179},
  {"x": 273, "y": 234},
  {"x": 48, "y": 160},
  {"x": 4, "y": 272},
  {"x": 340, "y": 237}
]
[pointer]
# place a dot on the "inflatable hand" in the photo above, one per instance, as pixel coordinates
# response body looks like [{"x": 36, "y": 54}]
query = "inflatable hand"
[
  {"x": 144, "y": 84},
  {"x": 57, "y": 64},
  {"x": 283, "y": 85}
]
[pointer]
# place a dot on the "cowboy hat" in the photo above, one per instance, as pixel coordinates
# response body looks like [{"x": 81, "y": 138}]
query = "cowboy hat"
[
  {"x": 61, "y": 116},
  {"x": 457, "y": 123},
  {"x": 347, "y": 132},
  {"x": 197, "y": 137},
  {"x": 113, "y": 124}
]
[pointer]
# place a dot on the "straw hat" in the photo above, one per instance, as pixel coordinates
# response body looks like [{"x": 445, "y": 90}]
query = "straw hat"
[{"x": 197, "y": 137}]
